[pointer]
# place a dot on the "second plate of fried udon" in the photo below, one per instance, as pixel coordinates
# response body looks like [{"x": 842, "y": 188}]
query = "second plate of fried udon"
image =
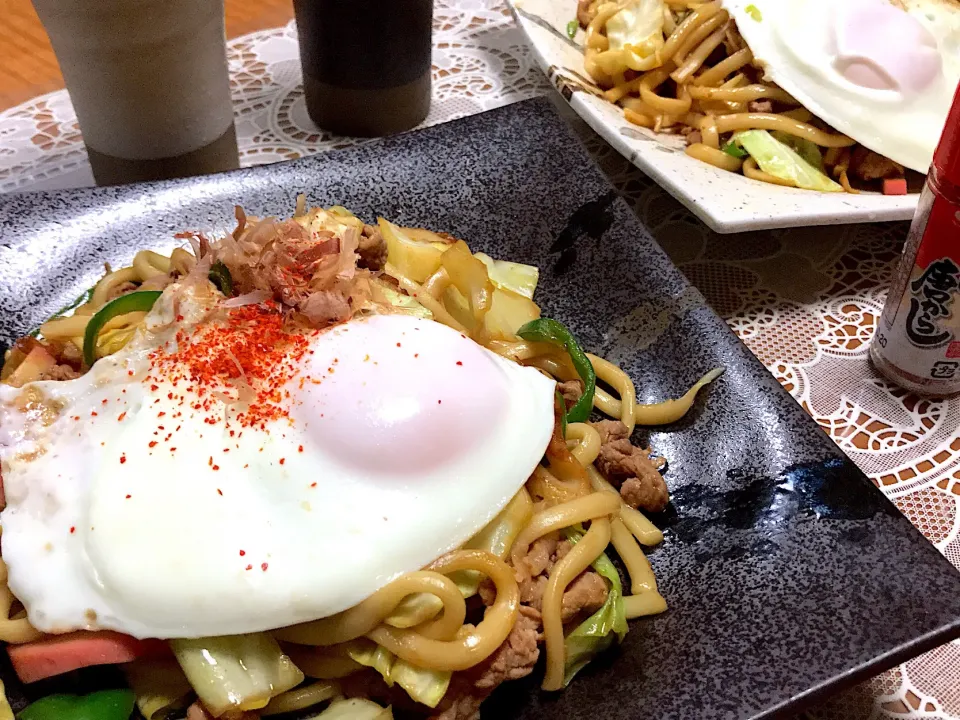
[{"x": 630, "y": 114}]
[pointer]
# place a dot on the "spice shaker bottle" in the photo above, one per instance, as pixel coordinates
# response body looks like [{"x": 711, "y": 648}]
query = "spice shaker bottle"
[
  {"x": 917, "y": 343},
  {"x": 366, "y": 63}
]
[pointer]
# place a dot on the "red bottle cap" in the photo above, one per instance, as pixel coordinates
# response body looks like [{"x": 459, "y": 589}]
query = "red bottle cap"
[{"x": 946, "y": 159}]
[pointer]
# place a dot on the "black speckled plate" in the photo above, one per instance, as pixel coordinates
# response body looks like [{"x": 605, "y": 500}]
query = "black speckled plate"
[{"x": 787, "y": 573}]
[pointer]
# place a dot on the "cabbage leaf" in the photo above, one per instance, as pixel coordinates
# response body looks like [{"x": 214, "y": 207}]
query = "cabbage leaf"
[
  {"x": 782, "y": 161},
  {"x": 495, "y": 538},
  {"x": 425, "y": 686},
  {"x": 521, "y": 279},
  {"x": 354, "y": 709},
  {"x": 236, "y": 672},
  {"x": 637, "y": 27},
  {"x": 160, "y": 686},
  {"x": 597, "y": 632},
  {"x": 400, "y": 301},
  {"x": 807, "y": 149}
]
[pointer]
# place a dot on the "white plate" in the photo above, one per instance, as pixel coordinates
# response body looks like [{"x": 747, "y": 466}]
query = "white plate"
[{"x": 725, "y": 201}]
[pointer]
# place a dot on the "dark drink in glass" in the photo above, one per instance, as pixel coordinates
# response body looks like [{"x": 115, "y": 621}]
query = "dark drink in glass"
[{"x": 366, "y": 63}]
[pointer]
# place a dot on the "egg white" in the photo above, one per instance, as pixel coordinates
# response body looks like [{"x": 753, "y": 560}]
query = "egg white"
[
  {"x": 791, "y": 39},
  {"x": 103, "y": 530}
]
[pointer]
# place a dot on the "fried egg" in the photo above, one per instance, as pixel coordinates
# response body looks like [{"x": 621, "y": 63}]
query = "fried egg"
[
  {"x": 882, "y": 73},
  {"x": 221, "y": 475}
]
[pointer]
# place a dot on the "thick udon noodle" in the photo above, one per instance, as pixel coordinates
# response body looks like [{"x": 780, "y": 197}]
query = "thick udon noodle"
[
  {"x": 711, "y": 100},
  {"x": 565, "y": 492}
]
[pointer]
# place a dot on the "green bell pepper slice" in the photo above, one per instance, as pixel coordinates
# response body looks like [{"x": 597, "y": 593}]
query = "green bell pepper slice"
[
  {"x": 220, "y": 276},
  {"x": 139, "y": 301},
  {"x": 102, "y": 705},
  {"x": 550, "y": 331}
]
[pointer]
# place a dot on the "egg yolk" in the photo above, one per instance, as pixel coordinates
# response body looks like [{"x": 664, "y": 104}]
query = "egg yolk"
[
  {"x": 398, "y": 395},
  {"x": 881, "y": 47}
]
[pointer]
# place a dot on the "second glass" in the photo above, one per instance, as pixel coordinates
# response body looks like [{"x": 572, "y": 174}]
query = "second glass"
[{"x": 366, "y": 63}]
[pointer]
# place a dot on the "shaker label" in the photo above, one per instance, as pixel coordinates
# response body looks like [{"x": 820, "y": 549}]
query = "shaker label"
[
  {"x": 931, "y": 302},
  {"x": 919, "y": 331}
]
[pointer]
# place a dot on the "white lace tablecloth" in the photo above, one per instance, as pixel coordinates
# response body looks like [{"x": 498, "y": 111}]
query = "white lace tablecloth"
[{"x": 804, "y": 300}]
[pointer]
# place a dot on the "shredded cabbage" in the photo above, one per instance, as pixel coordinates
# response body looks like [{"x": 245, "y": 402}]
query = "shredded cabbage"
[
  {"x": 782, "y": 161},
  {"x": 425, "y": 686},
  {"x": 236, "y": 672},
  {"x": 596, "y": 633},
  {"x": 638, "y": 27}
]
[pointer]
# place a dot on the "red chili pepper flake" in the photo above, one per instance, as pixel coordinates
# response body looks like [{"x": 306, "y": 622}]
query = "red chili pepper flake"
[
  {"x": 103, "y": 402},
  {"x": 463, "y": 336},
  {"x": 93, "y": 413},
  {"x": 300, "y": 449},
  {"x": 161, "y": 414},
  {"x": 216, "y": 467},
  {"x": 398, "y": 344},
  {"x": 154, "y": 388},
  {"x": 242, "y": 553},
  {"x": 169, "y": 396},
  {"x": 254, "y": 344},
  {"x": 282, "y": 460},
  {"x": 173, "y": 449},
  {"x": 219, "y": 492},
  {"x": 121, "y": 416},
  {"x": 459, "y": 363},
  {"x": 130, "y": 373},
  {"x": 246, "y": 466},
  {"x": 152, "y": 444},
  {"x": 73, "y": 530},
  {"x": 123, "y": 459},
  {"x": 76, "y": 417},
  {"x": 129, "y": 496},
  {"x": 249, "y": 567},
  {"x": 439, "y": 402},
  {"x": 264, "y": 566}
]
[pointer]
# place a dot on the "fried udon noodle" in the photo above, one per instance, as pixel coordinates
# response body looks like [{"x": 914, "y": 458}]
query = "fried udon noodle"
[
  {"x": 694, "y": 75},
  {"x": 426, "y": 628}
]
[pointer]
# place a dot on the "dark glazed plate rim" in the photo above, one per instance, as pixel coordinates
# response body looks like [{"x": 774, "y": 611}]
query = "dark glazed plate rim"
[{"x": 783, "y": 564}]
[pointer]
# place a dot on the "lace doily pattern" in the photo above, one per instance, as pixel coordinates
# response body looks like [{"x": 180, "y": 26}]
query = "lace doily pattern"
[
  {"x": 805, "y": 300},
  {"x": 480, "y": 61}
]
